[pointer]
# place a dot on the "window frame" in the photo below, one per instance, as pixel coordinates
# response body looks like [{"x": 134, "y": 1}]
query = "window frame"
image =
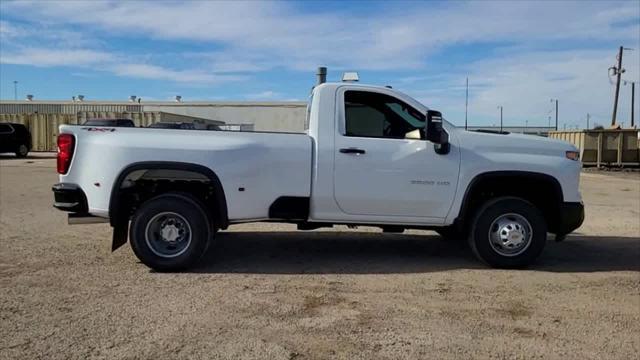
[
  {"x": 343, "y": 114},
  {"x": 11, "y": 129},
  {"x": 307, "y": 122}
]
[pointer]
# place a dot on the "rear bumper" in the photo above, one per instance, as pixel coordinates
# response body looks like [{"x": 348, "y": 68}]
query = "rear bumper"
[
  {"x": 69, "y": 197},
  {"x": 571, "y": 217}
]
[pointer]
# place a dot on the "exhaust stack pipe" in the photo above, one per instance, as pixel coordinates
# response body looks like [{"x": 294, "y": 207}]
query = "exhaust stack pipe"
[{"x": 321, "y": 75}]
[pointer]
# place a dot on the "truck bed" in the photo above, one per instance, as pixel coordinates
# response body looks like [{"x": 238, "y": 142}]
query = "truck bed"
[{"x": 255, "y": 169}]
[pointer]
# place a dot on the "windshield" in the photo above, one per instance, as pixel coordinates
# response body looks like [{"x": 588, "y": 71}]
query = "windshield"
[
  {"x": 407, "y": 113},
  {"x": 100, "y": 122}
]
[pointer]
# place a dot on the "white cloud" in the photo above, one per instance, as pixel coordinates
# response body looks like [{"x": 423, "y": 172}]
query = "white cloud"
[
  {"x": 8, "y": 30},
  {"x": 524, "y": 84},
  {"x": 399, "y": 38},
  {"x": 146, "y": 71},
  {"x": 264, "y": 95},
  {"x": 230, "y": 62},
  {"x": 104, "y": 61},
  {"x": 531, "y": 51},
  {"x": 43, "y": 57},
  {"x": 42, "y": 34}
]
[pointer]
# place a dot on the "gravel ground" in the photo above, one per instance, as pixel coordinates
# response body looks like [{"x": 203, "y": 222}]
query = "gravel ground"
[{"x": 265, "y": 291}]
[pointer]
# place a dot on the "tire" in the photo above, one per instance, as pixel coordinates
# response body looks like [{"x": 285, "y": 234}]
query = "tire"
[
  {"x": 508, "y": 232},
  {"x": 22, "y": 151},
  {"x": 170, "y": 232}
]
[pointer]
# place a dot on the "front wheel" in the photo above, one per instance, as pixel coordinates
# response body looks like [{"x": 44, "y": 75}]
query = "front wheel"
[
  {"x": 22, "y": 151},
  {"x": 508, "y": 232},
  {"x": 170, "y": 232}
]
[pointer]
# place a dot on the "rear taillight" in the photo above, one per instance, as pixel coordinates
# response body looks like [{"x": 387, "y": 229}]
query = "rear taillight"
[{"x": 66, "y": 143}]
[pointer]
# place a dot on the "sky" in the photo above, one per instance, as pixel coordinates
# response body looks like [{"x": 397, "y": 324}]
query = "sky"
[{"x": 516, "y": 54}]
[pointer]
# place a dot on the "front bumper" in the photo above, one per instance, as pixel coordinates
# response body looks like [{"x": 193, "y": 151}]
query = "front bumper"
[
  {"x": 571, "y": 217},
  {"x": 69, "y": 197}
]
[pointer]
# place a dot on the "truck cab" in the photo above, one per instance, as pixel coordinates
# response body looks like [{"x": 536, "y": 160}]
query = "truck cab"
[
  {"x": 373, "y": 161},
  {"x": 371, "y": 156}
]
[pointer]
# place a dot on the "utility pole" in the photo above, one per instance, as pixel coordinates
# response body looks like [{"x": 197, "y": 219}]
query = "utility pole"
[
  {"x": 466, "y": 104},
  {"x": 15, "y": 90},
  {"x": 500, "y": 107},
  {"x": 556, "y": 101},
  {"x": 633, "y": 100},
  {"x": 587, "y": 121},
  {"x": 556, "y": 114},
  {"x": 618, "y": 71}
]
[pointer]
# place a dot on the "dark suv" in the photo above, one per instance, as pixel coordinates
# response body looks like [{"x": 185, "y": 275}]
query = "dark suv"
[
  {"x": 173, "y": 125},
  {"x": 15, "y": 138},
  {"x": 110, "y": 122}
]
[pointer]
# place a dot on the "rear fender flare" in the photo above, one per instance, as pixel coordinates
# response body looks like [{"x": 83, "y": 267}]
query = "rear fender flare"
[{"x": 120, "y": 221}]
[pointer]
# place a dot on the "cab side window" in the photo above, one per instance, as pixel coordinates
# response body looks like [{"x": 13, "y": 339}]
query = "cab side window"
[
  {"x": 369, "y": 114},
  {"x": 5, "y": 129}
]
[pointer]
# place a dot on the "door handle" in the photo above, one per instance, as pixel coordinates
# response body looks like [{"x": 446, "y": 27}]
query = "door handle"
[{"x": 352, "y": 151}]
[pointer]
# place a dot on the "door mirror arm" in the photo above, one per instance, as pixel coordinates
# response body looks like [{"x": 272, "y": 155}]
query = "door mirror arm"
[{"x": 435, "y": 132}]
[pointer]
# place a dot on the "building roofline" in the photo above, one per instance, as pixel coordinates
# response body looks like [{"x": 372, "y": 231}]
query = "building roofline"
[{"x": 156, "y": 103}]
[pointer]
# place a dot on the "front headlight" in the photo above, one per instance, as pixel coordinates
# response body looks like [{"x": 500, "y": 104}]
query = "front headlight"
[{"x": 572, "y": 155}]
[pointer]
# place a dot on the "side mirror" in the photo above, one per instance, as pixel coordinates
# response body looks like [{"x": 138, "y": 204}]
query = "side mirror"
[
  {"x": 435, "y": 132},
  {"x": 434, "y": 126}
]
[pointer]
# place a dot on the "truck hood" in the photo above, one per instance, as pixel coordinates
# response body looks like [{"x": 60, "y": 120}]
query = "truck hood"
[{"x": 513, "y": 143}]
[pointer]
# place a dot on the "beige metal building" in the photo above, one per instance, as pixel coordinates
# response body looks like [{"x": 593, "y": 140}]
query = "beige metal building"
[
  {"x": 43, "y": 117},
  {"x": 604, "y": 147},
  {"x": 258, "y": 116}
]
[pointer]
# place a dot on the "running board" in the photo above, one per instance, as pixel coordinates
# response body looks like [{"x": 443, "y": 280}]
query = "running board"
[{"x": 79, "y": 219}]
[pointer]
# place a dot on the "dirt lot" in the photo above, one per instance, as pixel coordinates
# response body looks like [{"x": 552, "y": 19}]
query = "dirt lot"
[{"x": 339, "y": 294}]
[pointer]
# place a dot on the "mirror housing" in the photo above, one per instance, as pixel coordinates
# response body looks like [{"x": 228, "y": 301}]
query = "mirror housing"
[{"x": 436, "y": 133}]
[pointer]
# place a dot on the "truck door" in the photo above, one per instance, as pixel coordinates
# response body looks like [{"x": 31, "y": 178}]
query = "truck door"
[{"x": 383, "y": 166}]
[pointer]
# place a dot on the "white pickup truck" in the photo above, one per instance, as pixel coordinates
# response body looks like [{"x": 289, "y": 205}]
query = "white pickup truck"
[{"x": 372, "y": 156}]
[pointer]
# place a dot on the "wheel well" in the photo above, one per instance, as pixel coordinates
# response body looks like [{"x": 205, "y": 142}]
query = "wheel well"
[
  {"x": 541, "y": 190},
  {"x": 141, "y": 181}
]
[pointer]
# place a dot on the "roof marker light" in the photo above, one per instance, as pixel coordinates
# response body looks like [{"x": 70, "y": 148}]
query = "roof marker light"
[{"x": 350, "y": 76}]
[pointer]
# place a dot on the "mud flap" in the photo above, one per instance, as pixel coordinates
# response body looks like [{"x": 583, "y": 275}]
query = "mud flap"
[{"x": 120, "y": 230}]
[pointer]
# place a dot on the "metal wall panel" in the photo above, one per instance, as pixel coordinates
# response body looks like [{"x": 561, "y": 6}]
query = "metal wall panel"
[
  {"x": 43, "y": 127},
  {"x": 65, "y": 108},
  {"x": 617, "y": 147},
  {"x": 30, "y": 108},
  {"x": 116, "y": 108},
  {"x": 43, "y": 119}
]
